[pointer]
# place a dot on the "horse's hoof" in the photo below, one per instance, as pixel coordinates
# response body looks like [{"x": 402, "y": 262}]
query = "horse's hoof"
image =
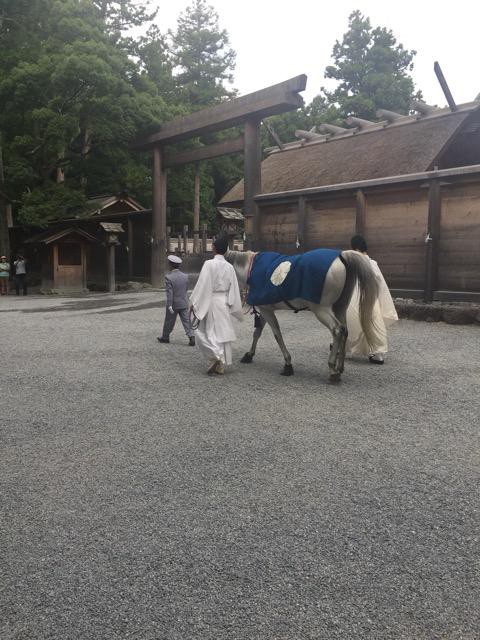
[
  {"x": 287, "y": 370},
  {"x": 247, "y": 358},
  {"x": 335, "y": 378}
]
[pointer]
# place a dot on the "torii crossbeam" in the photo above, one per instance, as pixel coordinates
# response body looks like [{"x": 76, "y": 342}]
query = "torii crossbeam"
[{"x": 247, "y": 111}]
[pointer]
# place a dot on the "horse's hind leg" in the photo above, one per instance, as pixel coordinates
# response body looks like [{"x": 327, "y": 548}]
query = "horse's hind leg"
[
  {"x": 341, "y": 315},
  {"x": 270, "y": 317},
  {"x": 248, "y": 357},
  {"x": 339, "y": 333}
]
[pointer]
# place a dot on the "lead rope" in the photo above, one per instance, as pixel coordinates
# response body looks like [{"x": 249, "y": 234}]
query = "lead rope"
[
  {"x": 194, "y": 321},
  {"x": 257, "y": 322},
  {"x": 246, "y": 289}
]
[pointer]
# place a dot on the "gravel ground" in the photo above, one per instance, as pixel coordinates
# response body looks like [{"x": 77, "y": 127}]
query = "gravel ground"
[{"x": 144, "y": 499}]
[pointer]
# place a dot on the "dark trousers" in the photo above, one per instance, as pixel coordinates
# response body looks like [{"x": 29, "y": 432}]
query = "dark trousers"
[
  {"x": 21, "y": 281},
  {"x": 170, "y": 319}
]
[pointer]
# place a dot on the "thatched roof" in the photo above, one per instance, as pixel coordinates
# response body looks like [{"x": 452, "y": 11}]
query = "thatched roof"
[{"x": 406, "y": 146}]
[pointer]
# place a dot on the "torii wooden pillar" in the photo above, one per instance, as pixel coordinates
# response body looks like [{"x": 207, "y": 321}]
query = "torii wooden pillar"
[{"x": 248, "y": 111}]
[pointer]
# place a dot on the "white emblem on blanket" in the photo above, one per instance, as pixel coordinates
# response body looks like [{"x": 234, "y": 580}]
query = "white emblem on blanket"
[{"x": 280, "y": 273}]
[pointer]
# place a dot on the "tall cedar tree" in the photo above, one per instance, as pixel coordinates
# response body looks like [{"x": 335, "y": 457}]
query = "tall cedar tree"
[
  {"x": 203, "y": 56},
  {"x": 204, "y": 63},
  {"x": 372, "y": 71}
]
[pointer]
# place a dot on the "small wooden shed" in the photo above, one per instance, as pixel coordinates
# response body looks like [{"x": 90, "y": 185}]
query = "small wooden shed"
[{"x": 64, "y": 260}]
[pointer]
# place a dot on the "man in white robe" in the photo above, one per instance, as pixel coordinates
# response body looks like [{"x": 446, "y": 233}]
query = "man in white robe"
[
  {"x": 384, "y": 315},
  {"x": 214, "y": 300}
]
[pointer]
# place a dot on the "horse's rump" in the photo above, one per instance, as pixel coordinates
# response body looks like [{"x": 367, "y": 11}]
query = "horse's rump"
[{"x": 300, "y": 276}]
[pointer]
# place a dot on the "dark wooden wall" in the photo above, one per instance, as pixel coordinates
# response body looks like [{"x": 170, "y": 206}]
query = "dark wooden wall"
[
  {"x": 425, "y": 236},
  {"x": 459, "y": 250}
]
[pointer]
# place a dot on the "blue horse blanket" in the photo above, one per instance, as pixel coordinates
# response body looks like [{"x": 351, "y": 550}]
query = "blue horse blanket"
[{"x": 300, "y": 276}]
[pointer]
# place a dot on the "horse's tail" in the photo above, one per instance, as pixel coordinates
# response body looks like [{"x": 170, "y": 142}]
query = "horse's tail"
[{"x": 360, "y": 272}]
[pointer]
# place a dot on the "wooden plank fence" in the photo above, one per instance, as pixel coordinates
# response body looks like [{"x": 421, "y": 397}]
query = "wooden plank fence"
[{"x": 425, "y": 235}]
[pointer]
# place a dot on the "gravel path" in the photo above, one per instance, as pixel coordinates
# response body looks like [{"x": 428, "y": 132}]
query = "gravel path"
[{"x": 144, "y": 499}]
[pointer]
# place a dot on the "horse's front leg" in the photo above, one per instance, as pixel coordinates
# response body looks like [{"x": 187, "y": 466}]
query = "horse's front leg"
[
  {"x": 270, "y": 317},
  {"x": 248, "y": 357}
]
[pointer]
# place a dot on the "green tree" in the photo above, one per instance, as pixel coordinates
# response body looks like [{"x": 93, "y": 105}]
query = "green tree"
[
  {"x": 156, "y": 63},
  {"x": 73, "y": 102},
  {"x": 203, "y": 57},
  {"x": 121, "y": 15},
  {"x": 204, "y": 63},
  {"x": 372, "y": 71}
]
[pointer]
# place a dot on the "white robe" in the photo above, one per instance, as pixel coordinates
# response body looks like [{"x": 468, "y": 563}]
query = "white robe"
[
  {"x": 215, "y": 299},
  {"x": 384, "y": 315}
]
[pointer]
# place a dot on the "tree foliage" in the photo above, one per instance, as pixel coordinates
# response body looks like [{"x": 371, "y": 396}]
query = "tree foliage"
[
  {"x": 73, "y": 101},
  {"x": 203, "y": 56},
  {"x": 372, "y": 71},
  {"x": 76, "y": 89},
  {"x": 204, "y": 63}
]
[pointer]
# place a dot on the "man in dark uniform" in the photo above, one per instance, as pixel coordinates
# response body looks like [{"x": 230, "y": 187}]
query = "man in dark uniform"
[{"x": 176, "y": 284}]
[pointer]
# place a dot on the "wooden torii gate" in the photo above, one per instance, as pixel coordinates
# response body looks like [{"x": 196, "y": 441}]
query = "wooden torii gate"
[{"x": 247, "y": 111}]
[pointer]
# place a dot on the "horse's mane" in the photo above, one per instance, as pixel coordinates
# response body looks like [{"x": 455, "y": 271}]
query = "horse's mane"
[{"x": 239, "y": 258}]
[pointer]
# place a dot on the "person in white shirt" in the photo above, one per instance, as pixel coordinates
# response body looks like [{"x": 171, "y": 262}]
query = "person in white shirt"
[
  {"x": 214, "y": 300},
  {"x": 384, "y": 314}
]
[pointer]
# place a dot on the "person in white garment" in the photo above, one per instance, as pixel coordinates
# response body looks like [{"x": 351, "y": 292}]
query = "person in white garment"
[
  {"x": 384, "y": 314},
  {"x": 214, "y": 300}
]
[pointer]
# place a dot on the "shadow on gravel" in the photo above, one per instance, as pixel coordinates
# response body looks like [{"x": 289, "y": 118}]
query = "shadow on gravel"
[
  {"x": 80, "y": 305},
  {"x": 145, "y": 305}
]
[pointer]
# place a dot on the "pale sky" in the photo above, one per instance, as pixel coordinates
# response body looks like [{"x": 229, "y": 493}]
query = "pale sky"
[{"x": 274, "y": 41}]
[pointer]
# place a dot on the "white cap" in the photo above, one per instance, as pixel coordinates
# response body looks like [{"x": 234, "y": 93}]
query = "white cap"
[{"x": 174, "y": 259}]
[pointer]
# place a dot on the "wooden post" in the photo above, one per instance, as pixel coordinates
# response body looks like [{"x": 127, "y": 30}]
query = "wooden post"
[
  {"x": 55, "y": 266},
  {"x": 196, "y": 210},
  {"x": 169, "y": 240},
  {"x": 432, "y": 240},
  {"x": 130, "y": 247},
  {"x": 253, "y": 180},
  {"x": 301, "y": 214},
  {"x": 185, "y": 239},
  {"x": 361, "y": 209},
  {"x": 111, "y": 266},
  {"x": 83, "y": 249},
  {"x": 204, "y": 239},
  {"x": 159, "y": 219}
]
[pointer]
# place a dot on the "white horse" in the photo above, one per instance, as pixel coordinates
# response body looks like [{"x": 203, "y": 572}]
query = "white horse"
[{"x": 349, "y": 269}]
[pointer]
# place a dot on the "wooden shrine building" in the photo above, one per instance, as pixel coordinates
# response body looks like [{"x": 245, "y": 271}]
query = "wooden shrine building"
[
  {"x": 410, "y": 184},
  {"x": 64, "y": 259},
  {"x": 108, "y": 242}
]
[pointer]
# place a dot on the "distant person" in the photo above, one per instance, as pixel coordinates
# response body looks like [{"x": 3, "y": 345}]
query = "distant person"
[
  {"x": 176, "y": 285},
  {"x": 20, "y": 266},
  {"x": 4, "y": 275},
  {"x": 384, "y": 314},
  {"x": 214, "y": 300}
]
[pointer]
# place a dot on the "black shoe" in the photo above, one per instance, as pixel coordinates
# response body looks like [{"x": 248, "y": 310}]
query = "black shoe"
[
  {"x": 375, "y": 360},
  {"x": 164, "y": 340},
  {"x": 191, "y": 341}
]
